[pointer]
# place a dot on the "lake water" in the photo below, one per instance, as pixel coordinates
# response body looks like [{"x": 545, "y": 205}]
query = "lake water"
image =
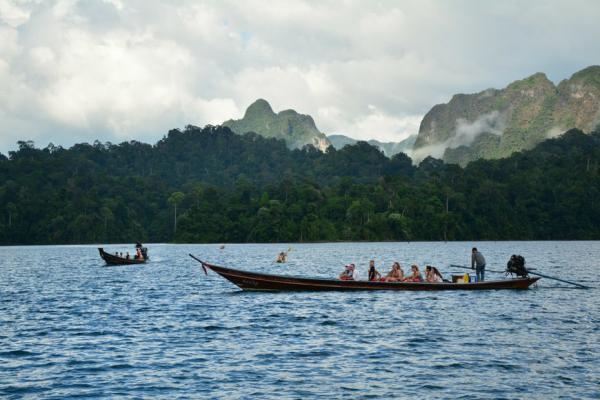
[{"x": 71, "y": 327}]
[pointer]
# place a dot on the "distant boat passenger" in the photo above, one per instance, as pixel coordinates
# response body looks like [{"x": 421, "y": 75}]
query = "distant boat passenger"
[
  {"x": 396, "y": 274},
  {"x": 349, "y": 273},
  {"x": 374, "y": 275},
  {"x": 346, "y": 275},
  {"x": 438, "y": 274},
  {"x": 415, "y": 276},
  {"x": 478, "y": 264},
  {"x": 127, "y": 256},
  {"x": 138, "y": 253},
  {"x": 432, "y": 275}
]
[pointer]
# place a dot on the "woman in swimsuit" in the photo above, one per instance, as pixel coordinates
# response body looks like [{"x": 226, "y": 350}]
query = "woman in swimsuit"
[
  {"x": 415, "y": 276},
  {"x": 396, "y": 274}
]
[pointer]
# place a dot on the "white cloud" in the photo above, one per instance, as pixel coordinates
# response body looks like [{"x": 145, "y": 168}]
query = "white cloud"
[
  {"x": 75, "y": 71},
  {"x": 12, "y": 14}
]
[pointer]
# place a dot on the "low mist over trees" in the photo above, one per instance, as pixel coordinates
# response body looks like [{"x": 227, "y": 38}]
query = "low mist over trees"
[{"x": 210, "y": 185}]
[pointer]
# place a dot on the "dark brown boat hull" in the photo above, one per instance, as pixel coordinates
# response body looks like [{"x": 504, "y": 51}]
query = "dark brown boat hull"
[
  {"x": 111, "y": 259},
  {"x": 258, "y": 281}
]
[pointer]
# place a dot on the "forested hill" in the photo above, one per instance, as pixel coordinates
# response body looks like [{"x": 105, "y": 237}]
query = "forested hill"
[{"x": 230, "y": 188}]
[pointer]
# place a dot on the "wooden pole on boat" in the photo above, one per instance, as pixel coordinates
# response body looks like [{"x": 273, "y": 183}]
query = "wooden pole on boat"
[
  {"x": 530, "y": 272},
  {"x": 558, "y": 279},
  {"x": 201, "y": 263}
]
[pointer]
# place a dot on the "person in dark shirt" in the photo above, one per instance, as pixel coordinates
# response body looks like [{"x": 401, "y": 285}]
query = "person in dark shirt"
[{"x": 374, "y": 275}]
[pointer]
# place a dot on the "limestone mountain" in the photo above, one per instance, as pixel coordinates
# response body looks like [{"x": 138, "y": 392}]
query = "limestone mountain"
[
  {"x": 296, "y": 129},
  {"x": 389, "y": 148},
  {"x": 495, "y": 123}
]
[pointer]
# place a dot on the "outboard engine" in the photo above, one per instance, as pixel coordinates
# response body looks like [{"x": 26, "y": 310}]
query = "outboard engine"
[{"x": 516, "y": 265}]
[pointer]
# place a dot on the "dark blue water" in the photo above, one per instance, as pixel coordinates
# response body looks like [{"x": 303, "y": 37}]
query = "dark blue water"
[{"x": 70, "y": 327}]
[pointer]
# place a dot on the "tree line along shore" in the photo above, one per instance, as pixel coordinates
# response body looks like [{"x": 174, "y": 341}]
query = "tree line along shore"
[{"x": 210, "y": 185}]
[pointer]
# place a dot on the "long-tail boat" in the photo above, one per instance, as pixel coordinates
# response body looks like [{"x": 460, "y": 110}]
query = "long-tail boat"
[
  {"x": 259, "y": 281},
  {"x": 112, "y": 259}
]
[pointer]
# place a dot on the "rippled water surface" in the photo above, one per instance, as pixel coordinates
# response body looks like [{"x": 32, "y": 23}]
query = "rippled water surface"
[{"x": 71, "y": 327}]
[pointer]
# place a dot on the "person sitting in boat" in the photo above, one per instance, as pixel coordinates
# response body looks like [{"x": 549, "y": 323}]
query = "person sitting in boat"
[
  {"x": 138, "y": 253},
  {"x": 127, "y": 255},
  {"x": 438, "y": 274},
  {"x": 415, "y": 276},
  {"x": 374, "y": 275},
  {"x": 396, "y": 274},
  {"x": 349, "y": 273},
  {"x": 432, "y": 275}
]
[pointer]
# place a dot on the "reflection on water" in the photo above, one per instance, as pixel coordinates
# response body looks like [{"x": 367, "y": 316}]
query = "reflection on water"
[{"x": 70, "y": 326}]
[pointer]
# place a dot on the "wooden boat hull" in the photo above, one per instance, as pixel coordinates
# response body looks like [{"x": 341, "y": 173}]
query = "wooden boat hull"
[
  {"x": 258, "y": 281},
  {"x": 111, "y": 259}
]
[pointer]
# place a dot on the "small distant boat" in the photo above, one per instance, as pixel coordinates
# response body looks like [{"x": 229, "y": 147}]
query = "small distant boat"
[
  {"x": 112, "y": 259},
  {"x": 258, "y": 281}
]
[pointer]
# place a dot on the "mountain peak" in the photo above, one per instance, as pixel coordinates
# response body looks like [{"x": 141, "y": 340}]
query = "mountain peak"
[
  {"x": 260, "y": 107},
  {"x": 591, "y": 73},
  {"x": 539, "y": 80},
  {"x": 296, "y": 129}
]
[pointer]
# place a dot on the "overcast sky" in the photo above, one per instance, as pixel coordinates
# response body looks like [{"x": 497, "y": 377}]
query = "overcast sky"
[{"x": 73, "y": 71}]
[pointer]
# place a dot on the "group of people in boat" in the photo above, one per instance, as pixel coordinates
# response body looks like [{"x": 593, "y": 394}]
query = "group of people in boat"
[
  {"x": 139, "y": 253},
  {"x": 396, "y": 274}
]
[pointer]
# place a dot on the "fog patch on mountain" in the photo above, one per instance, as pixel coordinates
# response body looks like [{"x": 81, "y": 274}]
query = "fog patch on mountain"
[
  {"x": 554, "y": 132},
  {"x": 465, "y": 134}
]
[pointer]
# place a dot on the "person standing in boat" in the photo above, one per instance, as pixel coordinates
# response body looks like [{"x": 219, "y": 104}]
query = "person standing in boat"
[{"x": 478, "y": 264}]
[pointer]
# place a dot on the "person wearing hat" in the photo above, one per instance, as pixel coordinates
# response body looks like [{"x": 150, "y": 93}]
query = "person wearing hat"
[{"x": 349, "y": 273}]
